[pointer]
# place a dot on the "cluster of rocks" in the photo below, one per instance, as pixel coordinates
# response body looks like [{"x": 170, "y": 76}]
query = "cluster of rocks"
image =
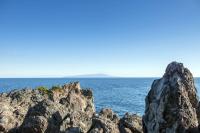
[
  {"x": 68, "y": 109},
  {"x": 108, "y": 122},
  {"x": 39, "y": 111},
  {"x": 172, "y": 106}
]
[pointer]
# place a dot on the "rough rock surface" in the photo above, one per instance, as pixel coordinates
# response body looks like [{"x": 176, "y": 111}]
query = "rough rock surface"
[
  {"x": 108, "y": 122},
  {"x": 131, "y": 123},
  {"x": 60, "y": 110},
  {"x": 172, "y": 103},
  {"x": 66, "y": 109}
]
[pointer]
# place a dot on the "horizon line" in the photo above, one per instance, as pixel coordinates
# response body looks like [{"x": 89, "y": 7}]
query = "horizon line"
[
  {"x": 85, "y": 77},
  {"x": 89, "y": 77}
]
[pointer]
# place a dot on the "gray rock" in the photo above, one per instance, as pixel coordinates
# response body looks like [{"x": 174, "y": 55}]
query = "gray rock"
[
  {"x": 68, "y": 109},
  {"x": 65, "y": 109},
  {"x": 172, "y": 103},
  {"x": 108, "y": 122},
  {"x": 131, "y": 123}
]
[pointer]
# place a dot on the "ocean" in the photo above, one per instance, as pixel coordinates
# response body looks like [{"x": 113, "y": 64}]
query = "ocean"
[{"x": 121, "y": 94}]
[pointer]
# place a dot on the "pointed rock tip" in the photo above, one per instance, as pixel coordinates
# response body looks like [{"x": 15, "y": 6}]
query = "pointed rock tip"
[
  {"x": 72, "y": 85},
  {"x": 174, "y": 67}
]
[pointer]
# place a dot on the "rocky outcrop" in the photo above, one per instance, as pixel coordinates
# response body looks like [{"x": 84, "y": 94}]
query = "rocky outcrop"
[
  {"x": 66, "y": 109},
  {"x": 172, "y": 103},
  {"x": 51, "y": 111}
]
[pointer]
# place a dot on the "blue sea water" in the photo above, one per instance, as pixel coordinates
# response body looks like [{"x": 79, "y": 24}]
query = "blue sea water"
[{"x": 121, "y": 94}]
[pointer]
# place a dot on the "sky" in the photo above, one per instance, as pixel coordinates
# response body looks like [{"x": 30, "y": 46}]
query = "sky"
[{"x": 128, "y": 38}]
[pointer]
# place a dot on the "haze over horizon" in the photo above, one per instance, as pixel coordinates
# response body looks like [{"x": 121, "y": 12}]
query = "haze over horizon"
[{"x": 129, "y": 38}]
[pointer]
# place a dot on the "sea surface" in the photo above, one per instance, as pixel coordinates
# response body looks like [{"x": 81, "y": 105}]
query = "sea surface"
[{"x": 121, "y": 94}]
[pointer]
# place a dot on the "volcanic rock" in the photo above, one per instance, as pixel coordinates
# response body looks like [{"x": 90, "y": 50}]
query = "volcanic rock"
[
  {"x": 172, "y": 103},
  {"x": 62, "y": 109}
]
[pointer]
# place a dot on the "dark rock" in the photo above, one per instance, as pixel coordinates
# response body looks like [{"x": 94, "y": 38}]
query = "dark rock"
[
  {"x": 108, "y": 122},
  {"x": 131, "y": 123},
  {"x": 109, "y": 114},
  {"x": 172, "y": 103}
]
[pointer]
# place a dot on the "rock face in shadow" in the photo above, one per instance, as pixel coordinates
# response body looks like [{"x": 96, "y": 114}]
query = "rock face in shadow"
[
  {"x": 108, "y": 122},
  {"x": 131, "y": 123},
  {"x": 68, "y": 109},
  {"x": 172, "y": 103}
]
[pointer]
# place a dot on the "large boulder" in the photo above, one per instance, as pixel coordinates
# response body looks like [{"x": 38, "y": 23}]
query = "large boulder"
[
  {"x": 105, "y": 122},
  {"x": 108, "y": 122},
  {"x": 131, "y": 123},
  {"x": 172, "y": 103},
  {"x": 61, "y": 109}
]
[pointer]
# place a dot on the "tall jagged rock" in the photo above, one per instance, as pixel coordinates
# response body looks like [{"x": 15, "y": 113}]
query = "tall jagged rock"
[{"x": 172, "y": 103}]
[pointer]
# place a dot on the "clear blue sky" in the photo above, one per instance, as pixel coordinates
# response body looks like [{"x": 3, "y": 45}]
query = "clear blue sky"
[{"x": 44, "y": 38}]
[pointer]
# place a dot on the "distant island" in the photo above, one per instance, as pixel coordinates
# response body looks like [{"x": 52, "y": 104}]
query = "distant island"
[{"x": 91, "y": 76}]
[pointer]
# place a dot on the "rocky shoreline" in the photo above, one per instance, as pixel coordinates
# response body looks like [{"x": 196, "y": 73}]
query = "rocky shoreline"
[
  {"x": 172, "y": 106},
  {"x": 66, "y": 109}
]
